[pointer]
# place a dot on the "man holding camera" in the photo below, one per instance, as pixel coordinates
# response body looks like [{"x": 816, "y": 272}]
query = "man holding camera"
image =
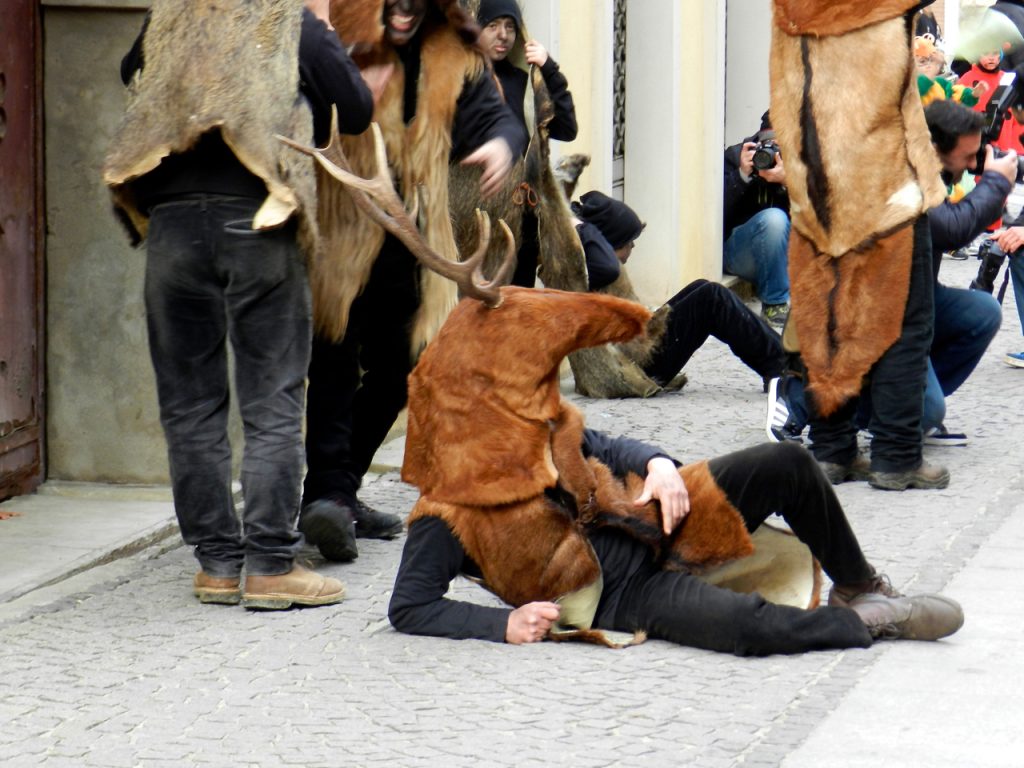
[
  {"x": 756, "y": 217},
  {"x": 965, "y": 320}
]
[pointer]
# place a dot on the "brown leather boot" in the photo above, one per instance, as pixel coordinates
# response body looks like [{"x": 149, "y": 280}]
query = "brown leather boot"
[
  {"x": 211, "y": 589},
  {"x": 917, "y": 617},
  {"x": 297, "y": 587},
  {"x": 858, "y": 469},
  {"x": 925, "y": 476}
]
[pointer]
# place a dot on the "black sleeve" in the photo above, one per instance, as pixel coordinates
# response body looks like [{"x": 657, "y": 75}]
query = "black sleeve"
[
  {"x": 134, "y": 59},
  {"x": 563, "y": 125},
  {"x": 481, "y": 115},
  {"x": 621, "y": 454},
  {"x": 432, "y": 557},
  {"x": 603, "y": 266},
  {"x": 954, "y": 225},
  {"x": 327, "y": 76}
]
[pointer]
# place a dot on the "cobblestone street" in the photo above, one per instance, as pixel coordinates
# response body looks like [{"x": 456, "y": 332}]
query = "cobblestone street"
[{"x": 129, "y": 669}]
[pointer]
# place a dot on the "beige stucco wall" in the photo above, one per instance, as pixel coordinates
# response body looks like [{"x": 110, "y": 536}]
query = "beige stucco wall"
[{"x": 102, "y": 424}]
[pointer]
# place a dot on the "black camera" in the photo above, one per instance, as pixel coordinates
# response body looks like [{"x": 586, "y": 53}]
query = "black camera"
[
  {"x": 766, "y": 154},
  {"x": 992, "y": 258}
]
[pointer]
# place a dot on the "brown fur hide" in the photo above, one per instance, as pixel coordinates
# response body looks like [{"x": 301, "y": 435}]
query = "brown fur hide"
[
  {"x": 230, "y": 65},
  {"x": 609, "y": 370},
  {"x": 836, "y": 17},
  {"x": 489, "y": 433},
  {"x": 860, "y": 169},
  {"x": 418, "y": 155}
]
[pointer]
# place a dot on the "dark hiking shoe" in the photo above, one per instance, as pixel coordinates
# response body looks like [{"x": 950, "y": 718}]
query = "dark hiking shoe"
[
  {"x": 858, "y": 469},
  {"x": 926, "y": 476},
  {"x": 330, "y": 527},
  {"x": 879, "y": 584},
  {"x": 775, "y": 315},
  {"x": 921, "y": 617},
  {"x": 371, "y": 524}
]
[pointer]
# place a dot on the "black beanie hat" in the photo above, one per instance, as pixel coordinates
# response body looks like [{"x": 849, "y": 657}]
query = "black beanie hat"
[
  {"x": 617, "y": 221},
  {"x": 495, "y": 9}
]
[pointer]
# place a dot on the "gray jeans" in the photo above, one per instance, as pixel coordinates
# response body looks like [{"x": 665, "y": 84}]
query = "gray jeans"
[{"x": 210, "y": 278}]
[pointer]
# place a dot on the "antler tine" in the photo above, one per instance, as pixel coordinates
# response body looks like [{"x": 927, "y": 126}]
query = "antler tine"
[{"x": 377, "y": 198}]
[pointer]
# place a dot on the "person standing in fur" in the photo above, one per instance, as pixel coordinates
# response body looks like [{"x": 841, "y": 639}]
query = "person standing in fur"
[
  {"x": 511, "y": 54},
  {"x": 861, "y": 173},
  {"x": 228, "y": 214},
  {"x": 374, "y": 308}
]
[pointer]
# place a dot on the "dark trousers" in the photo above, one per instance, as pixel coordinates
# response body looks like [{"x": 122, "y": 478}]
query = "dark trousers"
[
  {"x": 705, "y": 309},
  {"x": 895, "y": 383},
  {"x": 525, "y": 274},
  {"x": 681, "y": 608},
  {"x": 211, "y": 278},
  {"x": 357, "y": 386}
]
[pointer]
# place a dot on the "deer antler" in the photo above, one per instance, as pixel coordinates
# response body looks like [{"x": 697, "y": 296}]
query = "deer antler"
[{"x": 377, "y": 198}]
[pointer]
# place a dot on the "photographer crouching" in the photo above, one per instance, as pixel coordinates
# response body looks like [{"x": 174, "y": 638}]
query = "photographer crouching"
[{"x": 965, "y": 320}]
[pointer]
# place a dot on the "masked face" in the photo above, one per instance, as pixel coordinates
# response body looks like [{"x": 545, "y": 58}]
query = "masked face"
[
  {"x": 498, "y": 37},
  {"x": 402, "y": 19}
]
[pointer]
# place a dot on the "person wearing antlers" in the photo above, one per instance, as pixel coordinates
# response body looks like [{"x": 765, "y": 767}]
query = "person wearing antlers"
[{"x": 373, "y": 307}]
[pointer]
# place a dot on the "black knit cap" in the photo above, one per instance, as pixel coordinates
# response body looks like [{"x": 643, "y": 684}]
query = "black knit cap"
[
  {"x": 495, "y": 9},
  {"x": 617, "y": 221}
]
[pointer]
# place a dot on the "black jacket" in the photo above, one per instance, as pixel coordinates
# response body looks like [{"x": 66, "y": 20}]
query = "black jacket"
[
  {"x": 514, "y": 84},
  {"x": 743, "y": 199},
  {"x": 432, "y": 557},
  {"x": 954, "y": 225}
]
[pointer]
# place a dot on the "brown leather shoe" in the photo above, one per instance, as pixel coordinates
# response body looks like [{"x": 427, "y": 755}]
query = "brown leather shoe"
[
  {"x": 925, "y": 476},
  {"x": 297, "y": 587},
  {"x": 920, "y": 617},
  {"x": 211, "y": 589},
  {"x": 879, "y": 584}
]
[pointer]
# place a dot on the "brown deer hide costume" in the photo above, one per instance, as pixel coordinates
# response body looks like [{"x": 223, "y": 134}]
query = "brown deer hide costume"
[
  {"x": 860, "y": 171},
  {"x": 418, "y": 154},
  {"x": 230, "y": 84},
  {"x": 489, "y": 433}
]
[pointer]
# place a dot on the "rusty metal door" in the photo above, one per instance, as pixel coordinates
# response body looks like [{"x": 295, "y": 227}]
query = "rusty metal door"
[{"x": 21, "y": 423}]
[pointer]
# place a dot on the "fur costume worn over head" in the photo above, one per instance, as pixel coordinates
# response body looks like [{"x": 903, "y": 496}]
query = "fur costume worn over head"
[
  {"x": 489, "y": 433},
  {"x": 418, "y": 155},
  {"x": 860, "y": 169},
  {"x": 227, "y": 64}
]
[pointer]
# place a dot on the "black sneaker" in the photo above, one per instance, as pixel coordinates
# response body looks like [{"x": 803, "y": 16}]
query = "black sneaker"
[
  {"x": 371, "y": 524},
  {"x": 775, "y": 315},
  {"x": 330, "y": 527},
  {"x": 940, "y": 436},
  {"x": 780, "y": 424}
]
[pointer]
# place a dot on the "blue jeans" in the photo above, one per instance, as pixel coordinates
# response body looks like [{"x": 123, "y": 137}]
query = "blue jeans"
[
  {"x": 1017, "y": 272},
  {"x": 965, "y": 323},
  {"x": 756, "y": 251},
  {"x": 211, "y": 278}
]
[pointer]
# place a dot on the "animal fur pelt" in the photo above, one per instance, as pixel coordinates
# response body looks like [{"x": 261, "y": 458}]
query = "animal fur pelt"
[
  {"x": 860, "y": 170},
  {"x": 230, "y": 65},
  {"x": 418, "y": 155},
  {"x": 489, "y": 434},
  {"x": 608, "y": 370},
  {"x": 822, "y": 18}
]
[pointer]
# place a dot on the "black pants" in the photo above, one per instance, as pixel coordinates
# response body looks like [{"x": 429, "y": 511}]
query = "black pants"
[
  {"x": 211, "y": 279},
  {"x": 525, "y": 274},
  {"x": 705, "y": 309},
  {"x": 896, "y": 383},
  {"x": 674, "y": 606},
  {"x": 357, "y": 386}
]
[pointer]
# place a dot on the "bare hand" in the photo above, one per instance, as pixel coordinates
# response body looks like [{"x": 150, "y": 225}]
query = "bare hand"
[
  {"x": 530, "y": 623},
  {"x": 664, "y": 483},
  {"x": 536, "y": 53},
  {"x": 495, "y": 158},
  {"x": 776, "y": 174},
  {"x": 376, "y": 77},
  {"x": 1010, "y": 239},
  {"x": 747, "y": 158},
  {"x": 1006, "y": 165}
]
